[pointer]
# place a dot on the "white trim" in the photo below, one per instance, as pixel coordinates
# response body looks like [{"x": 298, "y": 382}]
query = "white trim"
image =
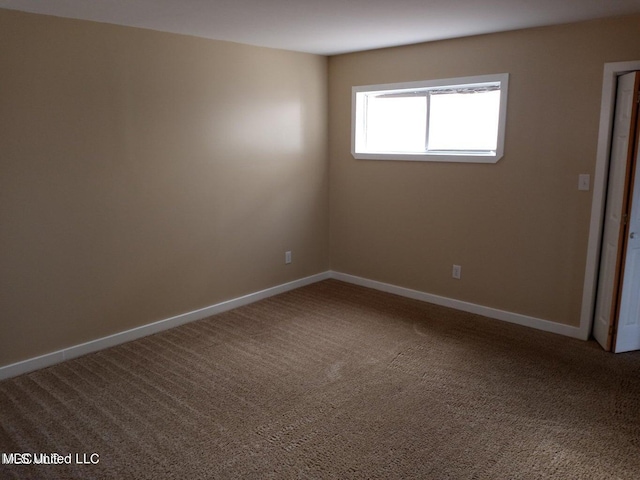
[
  {"x": 503, "y": 315},
  {"x": 611, "y": 72},
  {"x": 75, "y": 351},
  {"x": 52, "y": 358}
]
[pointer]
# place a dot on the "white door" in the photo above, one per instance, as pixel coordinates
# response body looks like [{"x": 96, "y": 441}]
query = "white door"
[
  {"x": 610, "y": 257},
  {"x": 628, "y": 336}
]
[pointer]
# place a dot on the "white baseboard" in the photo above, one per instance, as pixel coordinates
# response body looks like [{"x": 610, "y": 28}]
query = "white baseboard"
[
  {"x": 52, "y": 358},
  {"x": 503, "y": 315}
]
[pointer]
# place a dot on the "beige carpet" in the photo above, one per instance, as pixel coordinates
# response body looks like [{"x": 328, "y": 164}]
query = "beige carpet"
[{"x": 333, "y": 381}]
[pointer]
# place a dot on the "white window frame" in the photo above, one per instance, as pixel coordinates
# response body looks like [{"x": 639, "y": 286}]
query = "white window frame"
[{"x": 358, "y": 124}]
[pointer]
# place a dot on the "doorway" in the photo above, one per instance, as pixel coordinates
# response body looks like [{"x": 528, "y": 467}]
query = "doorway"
[{"x": 616, "y": 313}]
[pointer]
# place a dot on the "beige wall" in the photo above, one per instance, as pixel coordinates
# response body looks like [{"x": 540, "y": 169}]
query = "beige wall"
[
  {"x": 519, "y": 228},
  {"x": 146, "y": 174}
]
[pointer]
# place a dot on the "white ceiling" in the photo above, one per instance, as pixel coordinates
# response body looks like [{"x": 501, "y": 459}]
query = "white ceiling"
[{"x": 329, "y": 27}]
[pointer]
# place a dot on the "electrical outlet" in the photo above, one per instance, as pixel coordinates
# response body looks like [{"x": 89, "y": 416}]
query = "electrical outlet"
[
  {"x": 457, "y": 271},
  {"x": 584, "y": 180},
  {"x": 287, "y": 257}
]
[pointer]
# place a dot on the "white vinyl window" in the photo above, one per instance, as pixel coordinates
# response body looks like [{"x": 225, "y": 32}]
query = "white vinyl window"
[{"x": 450, "y": 120}]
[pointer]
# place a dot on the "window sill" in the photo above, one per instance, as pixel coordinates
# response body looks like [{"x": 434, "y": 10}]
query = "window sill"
[{"x": 431, "y": 157}]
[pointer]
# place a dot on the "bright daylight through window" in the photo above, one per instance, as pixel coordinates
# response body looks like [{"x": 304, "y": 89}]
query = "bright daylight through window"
[{"x": 451, "y": 120}]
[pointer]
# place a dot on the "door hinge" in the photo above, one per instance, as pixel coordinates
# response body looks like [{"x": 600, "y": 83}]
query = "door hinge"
[
  {"x": 611, "y": 329},
  {"x": 625, "y": 218}
]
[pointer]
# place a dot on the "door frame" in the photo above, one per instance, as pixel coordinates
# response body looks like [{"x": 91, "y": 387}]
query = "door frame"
[{"x": 600, "y": 180}]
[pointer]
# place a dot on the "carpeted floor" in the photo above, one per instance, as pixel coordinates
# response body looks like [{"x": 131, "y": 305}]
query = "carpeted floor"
[{"x": 333, "y": 381}]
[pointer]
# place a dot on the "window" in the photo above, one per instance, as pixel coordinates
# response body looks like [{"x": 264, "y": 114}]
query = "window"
[{"x": 452, "y": 120}]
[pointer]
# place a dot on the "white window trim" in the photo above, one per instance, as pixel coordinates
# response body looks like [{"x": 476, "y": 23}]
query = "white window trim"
[{"x": 466, "y": 157}]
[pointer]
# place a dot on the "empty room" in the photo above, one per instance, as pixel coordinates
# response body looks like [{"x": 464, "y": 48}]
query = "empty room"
[{"x": 326, "y": 240}]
